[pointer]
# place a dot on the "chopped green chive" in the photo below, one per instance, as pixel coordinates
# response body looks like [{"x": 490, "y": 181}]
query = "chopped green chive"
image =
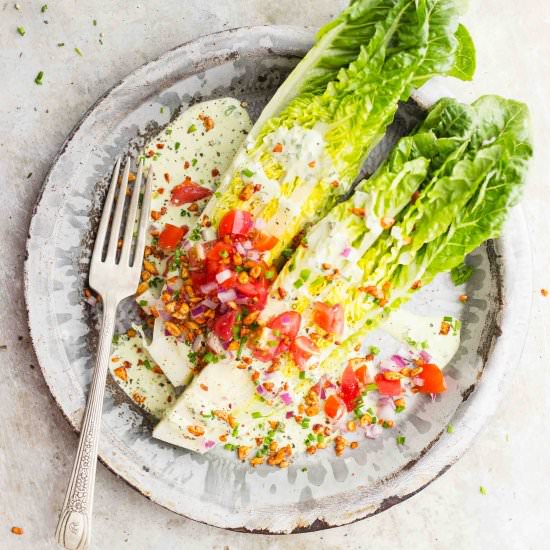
[
  {"x": 302, "y": 374},
  {"x": 21, "y": 31},
  {"x": 229, "y": 447},
  {"x": 305, "y": 423},
  {"x": 177, "y": 145},
  {"x": 143, "y": 303},
  {"x": 39, "y": 78},
  {"x": 247, "y": 172},
  {"x": 78, "y": 51},
  {"x": 147, "y": 364},
  {"x": 482, "y": 490},
  {"x": 60, "y": 44},
  {"x": 94, "y": 22},
  {"x": 400, "y": 439},
  {"x": 298, "y": 283},
  {"x": 191, "y": 129},
  {"x": 374, "y": 350},
  {"x": 450, "y": 429},
  {"x": 44, "y": 8},
  {"x": 256, "y": 414},
  {"x": 194, "y": 162}
]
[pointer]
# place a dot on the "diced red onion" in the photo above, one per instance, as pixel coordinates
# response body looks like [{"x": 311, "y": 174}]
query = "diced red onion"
[
  {"x": 426, "y": 357},
  {"x": 240, "y": 249},
  {"x": 186, "y": 245},
  {"x": 432, "y": 396},
  {"x": 197, "y": 342},
  {"x": 92, "y": 300},
  {"x": 169, "y": 289},
  {"x": 385, "y": 401},
  {"x": 210, "y": 304},
  {"x": 227, "y": 295},
  {"x": 253, "y": 255},
  {"x": 289, "y": 414},
  {"x": 260, "y": 224},
  {"x": 286, "y": 398},
  {"x": 247, "y": 245},
  {"x": 242, "y": 301},
  {"x": 214, "y": 343},
  {"x": 222, "y": 276},
  {"x": 346, "y": 252},
  {"x": 260, "y": 389},
  {"x": 372, "y": 431},
  {"x": 164, "y": 315},
  {"x": 387, "y": 365},
  {"x": 199, "y": 249},
  {"x": 208, "y": 288},
  {"x": 399, "y": 361},
  {"x": 198, "y": 311},
  {"x": 417, "y": 381},
  {"x": 323, "y": 394},
  {"x": 208, "y": 444}
]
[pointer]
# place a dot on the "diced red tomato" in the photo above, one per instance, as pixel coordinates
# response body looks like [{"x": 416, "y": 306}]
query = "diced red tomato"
[
  {"x": 349, "y": 387},
  {"x": 230, "y": 281},
  {"x": 434, "y": 381},
  {"x": 212, "y": 269},
  {"x": 330, "y": 319},
  {"x": 264, "y": 355},
  {"x": 248, "y": 289},
  {"x": 335, "y": 408},
  {"x": 198, "y": 278},
  {"x": 302, "y": 349},
  {"x": 223, "y": 325},
  {"x": 171, "y": 236},
  {"x": 287, "y": 323},
  {"x": 387, "y": 387},
  {"x": 362, "y": 375},
  {"x": 263, "y": 242},
  {"x": 188, "y": 192},
  {"x": 236, "y": 222},
  {"x": 219, "y": 251},
  {"x": 337, "y": 320},
  {"x": 322, "y": 316}
]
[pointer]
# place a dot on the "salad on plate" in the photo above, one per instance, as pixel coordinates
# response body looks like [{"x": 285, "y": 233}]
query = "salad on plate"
[{"x": 271, "y": 260}]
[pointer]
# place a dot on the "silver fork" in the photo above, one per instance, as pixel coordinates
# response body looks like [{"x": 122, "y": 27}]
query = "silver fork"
[{"x": 113, "y": 280}]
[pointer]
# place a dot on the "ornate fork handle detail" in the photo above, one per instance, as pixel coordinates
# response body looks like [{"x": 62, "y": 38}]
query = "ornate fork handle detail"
[{"x": 74, "y": 527}]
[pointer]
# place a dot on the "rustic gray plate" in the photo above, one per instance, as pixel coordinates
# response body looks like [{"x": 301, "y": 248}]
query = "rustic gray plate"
[{"x": 249, "y": 64}]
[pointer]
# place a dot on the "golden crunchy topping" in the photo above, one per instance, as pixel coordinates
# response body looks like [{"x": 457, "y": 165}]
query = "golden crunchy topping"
[
  {"x": 120, "y": 372},
  {"x": 243, "y": 451},
  {"x": 172, "y": 328},
  {"x": 197, "y": 431}
]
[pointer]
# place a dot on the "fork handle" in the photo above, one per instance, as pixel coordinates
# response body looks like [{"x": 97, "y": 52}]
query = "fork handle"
[{"x": 74, "y": 526}]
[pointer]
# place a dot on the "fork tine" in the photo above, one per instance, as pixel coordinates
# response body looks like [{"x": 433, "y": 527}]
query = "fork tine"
[
  {"x": 105, "y": 216},
  {"x": 131, "y": 219},
  {"x": 117, "y": 218},
  {"x": 144, "y": 218}
]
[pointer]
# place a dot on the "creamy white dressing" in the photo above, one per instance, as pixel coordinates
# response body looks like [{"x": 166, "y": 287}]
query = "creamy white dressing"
[
  {"x": 408, "y": 327},
  {"x": 188, "y": 150},
  {"x": 303, "y": 156},
  {"x": 139, "y": 376},
  {"x": 231, "y": 389},
  {"x": 222, "y": 386}
]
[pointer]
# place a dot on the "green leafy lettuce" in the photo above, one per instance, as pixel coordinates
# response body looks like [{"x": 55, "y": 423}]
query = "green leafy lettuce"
[
  {"x": 342, "y": 95},
  {"x": 496, "y": 159}
]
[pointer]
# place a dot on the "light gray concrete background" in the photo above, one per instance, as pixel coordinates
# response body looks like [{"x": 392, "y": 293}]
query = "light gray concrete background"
[{"x": 511, "y": 459}]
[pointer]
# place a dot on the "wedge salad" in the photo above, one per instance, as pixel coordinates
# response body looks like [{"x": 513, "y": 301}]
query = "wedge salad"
[{"x": 267, "y": 267}]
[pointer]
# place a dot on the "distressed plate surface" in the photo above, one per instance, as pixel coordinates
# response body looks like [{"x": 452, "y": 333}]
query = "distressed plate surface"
[{"x": 315, "y": 492}]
